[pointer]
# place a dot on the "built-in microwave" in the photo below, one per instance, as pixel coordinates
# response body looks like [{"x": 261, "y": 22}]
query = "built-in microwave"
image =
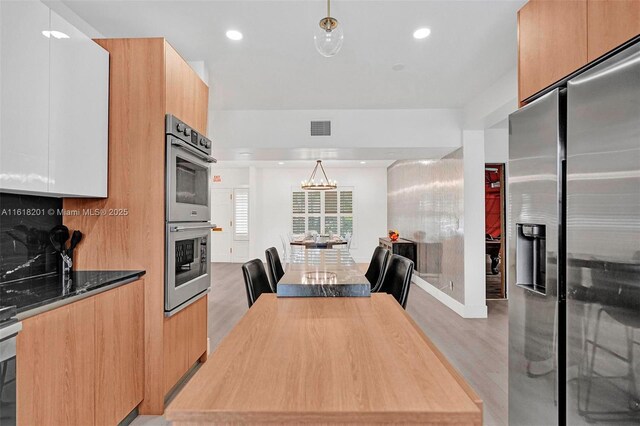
[
  {"x": 187, "y": 166},
  {"x": 188, "y": 276}
]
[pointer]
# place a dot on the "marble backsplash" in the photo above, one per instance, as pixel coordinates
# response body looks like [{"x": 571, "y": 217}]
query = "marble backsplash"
[{"x": 25, "y": 222}]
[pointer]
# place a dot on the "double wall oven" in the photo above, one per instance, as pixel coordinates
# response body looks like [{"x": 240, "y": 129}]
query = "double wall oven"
[{"x": 188, "y": 211}]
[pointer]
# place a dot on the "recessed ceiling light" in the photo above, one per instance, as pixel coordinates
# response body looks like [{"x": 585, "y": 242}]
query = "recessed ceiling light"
[
  {"x": 281, "y": 162},
  {"x": 54, "y": 34},
  {"x": 245, "y": 154},
  {"x": 234, "y": 35},
  {"x": 421, "y": 33},
  {"x": 363, "y": 162}
]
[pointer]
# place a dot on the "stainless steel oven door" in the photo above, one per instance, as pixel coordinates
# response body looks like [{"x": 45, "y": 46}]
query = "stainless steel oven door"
[
  {"x": 188, "y": 171},
  {"x": 187, "y": 274}
]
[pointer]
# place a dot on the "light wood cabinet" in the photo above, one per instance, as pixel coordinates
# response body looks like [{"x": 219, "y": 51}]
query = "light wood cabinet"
[
  {"x": 56, "y": 367},
  {"x": 82, "y": 364},
  {"x": 611, "y": 23},
  {"x": 187, "y": 96},
  {"x": 552, "y": 43},
  {"x": 119, "y": 352},
  {"x": 558, "y": 37},
  {"x": 185, "y": 341},
  {"x": 148, "y": 79}
]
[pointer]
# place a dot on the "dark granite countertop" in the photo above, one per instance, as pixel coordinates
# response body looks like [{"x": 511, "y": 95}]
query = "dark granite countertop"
[{"x": 40, "y": 294}]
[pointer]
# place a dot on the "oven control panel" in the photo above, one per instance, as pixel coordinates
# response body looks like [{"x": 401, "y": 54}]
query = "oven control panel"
[{"x": 179, "y": 129}]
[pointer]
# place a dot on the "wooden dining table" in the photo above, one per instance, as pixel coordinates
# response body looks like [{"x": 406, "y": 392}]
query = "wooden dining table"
[
  {"x": 329, "y": 360},
  {"x": 322, "y": 273}
]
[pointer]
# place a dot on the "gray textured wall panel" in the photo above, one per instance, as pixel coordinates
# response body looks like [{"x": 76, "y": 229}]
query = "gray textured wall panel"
[{"x": 425, "y": 203}]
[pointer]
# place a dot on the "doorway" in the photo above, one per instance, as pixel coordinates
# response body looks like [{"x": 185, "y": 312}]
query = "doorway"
[
  {"x": 221, "y": 216},
  {"x": 495, "y": 237}
]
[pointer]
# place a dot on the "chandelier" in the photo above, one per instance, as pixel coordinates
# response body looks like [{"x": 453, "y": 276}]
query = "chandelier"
[
  {"x": 324, "y": 184},
  {"x": 328, "y": 36}
]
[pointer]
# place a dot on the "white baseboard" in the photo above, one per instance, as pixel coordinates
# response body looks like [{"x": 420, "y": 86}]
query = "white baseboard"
[{"x": 465, "y": 311}]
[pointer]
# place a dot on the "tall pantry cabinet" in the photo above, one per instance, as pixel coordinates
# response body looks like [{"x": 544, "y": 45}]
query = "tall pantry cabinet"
[{"x": 148, "y": 79}]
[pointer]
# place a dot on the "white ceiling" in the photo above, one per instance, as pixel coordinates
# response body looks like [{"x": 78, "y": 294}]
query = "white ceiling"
[{"x": 276, "y": 66}]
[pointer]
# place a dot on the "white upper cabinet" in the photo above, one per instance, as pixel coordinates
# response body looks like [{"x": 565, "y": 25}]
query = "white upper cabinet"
[
  {"x": 24, "y": 96},
  {"x": 79, "y": 110},
  {"x": 54, "y": 83}
]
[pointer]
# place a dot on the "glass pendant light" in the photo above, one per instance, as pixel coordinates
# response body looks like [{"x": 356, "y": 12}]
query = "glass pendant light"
[{"x": 328, "y": 36}]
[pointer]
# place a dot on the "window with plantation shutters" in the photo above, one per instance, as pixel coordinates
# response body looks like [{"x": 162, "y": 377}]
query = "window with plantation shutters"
[
  {"x": 313, "y": 202},
  {"x": 346, "y": 202},
  {"x": 331, "y": 202},
  {"x": 299, "y": 202},
  {"x": 322, "y": 211},
  {"x": 299, "y": 225},
  {"x": 241, "y": 213}
]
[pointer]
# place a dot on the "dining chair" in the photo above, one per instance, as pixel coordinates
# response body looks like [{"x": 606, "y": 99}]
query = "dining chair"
[
  {"x": 275, "y": 267},
  {"x": 397, "y": 278},
  {"x": 375, "y": 271},
  {"x": 255, "y": 280}
]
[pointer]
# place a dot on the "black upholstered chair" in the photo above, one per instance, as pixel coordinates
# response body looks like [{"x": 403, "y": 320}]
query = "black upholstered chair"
[
  {"x": 397, "y": 278},
  {"x": 255, "y": 280},
  {"x": 375, "y": 272},
  {"x": 275, "y": 267}
]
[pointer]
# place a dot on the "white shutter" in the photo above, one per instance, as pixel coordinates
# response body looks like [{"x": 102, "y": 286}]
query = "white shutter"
[
  {"x": 330, "y": 202},
  {"x": 313, "y": 202},
  {"x": 298, "y": 202},
  {"x": 313, "y": 223},
  {"x": 241, "y": 213},
  {"x": 298, "y": 225},
  {"x": 346, "y": 202},
  {"x": 331, "y": 224}
]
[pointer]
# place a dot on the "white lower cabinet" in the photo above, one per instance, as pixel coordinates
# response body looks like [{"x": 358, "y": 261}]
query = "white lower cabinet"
[
  {"x": 79, "y": 110},
  {"x": 54, "y": 105}
]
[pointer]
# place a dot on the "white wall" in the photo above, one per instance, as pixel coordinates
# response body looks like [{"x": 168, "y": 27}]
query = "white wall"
[
  {"x": 71, "y": 17},
  {"x": 349, "y": 128},
  {"x": 496, "y": 145},
  {"x": 234, "y": 177},
  {"x": 203, "y": 72},
  {"x": 273, "y": 206},
  {"x": 270, "y": 203},
  {"x": 475, "y": 305},
  {"x": 494, "y": 104}
]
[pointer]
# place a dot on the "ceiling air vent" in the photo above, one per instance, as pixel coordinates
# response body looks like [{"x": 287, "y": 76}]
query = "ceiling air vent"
[{"x": 321, "y": 128}]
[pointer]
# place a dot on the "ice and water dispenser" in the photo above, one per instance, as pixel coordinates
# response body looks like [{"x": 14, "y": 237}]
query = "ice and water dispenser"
[{"x": 531, "y": 257}]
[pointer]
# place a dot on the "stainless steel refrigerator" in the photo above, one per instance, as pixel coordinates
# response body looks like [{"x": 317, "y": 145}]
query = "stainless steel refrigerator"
[{"x": 574, "y": 250}]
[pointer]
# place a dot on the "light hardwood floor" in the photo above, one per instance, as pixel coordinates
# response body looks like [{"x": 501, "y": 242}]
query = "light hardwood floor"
[{"x": 476, "y": 347}]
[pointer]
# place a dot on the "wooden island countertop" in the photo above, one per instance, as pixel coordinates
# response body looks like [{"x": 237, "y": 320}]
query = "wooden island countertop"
[{"x": 329, "y": 361}]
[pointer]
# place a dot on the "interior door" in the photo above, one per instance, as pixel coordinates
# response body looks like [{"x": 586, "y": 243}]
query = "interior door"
[{"x": 222, "y": 217}]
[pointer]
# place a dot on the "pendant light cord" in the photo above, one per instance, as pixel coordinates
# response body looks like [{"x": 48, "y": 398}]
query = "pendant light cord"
[
  {"x": 329, "y": 8},
  {"x": 323, "y": 172},
  {"x": 315, "y": 171}
]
